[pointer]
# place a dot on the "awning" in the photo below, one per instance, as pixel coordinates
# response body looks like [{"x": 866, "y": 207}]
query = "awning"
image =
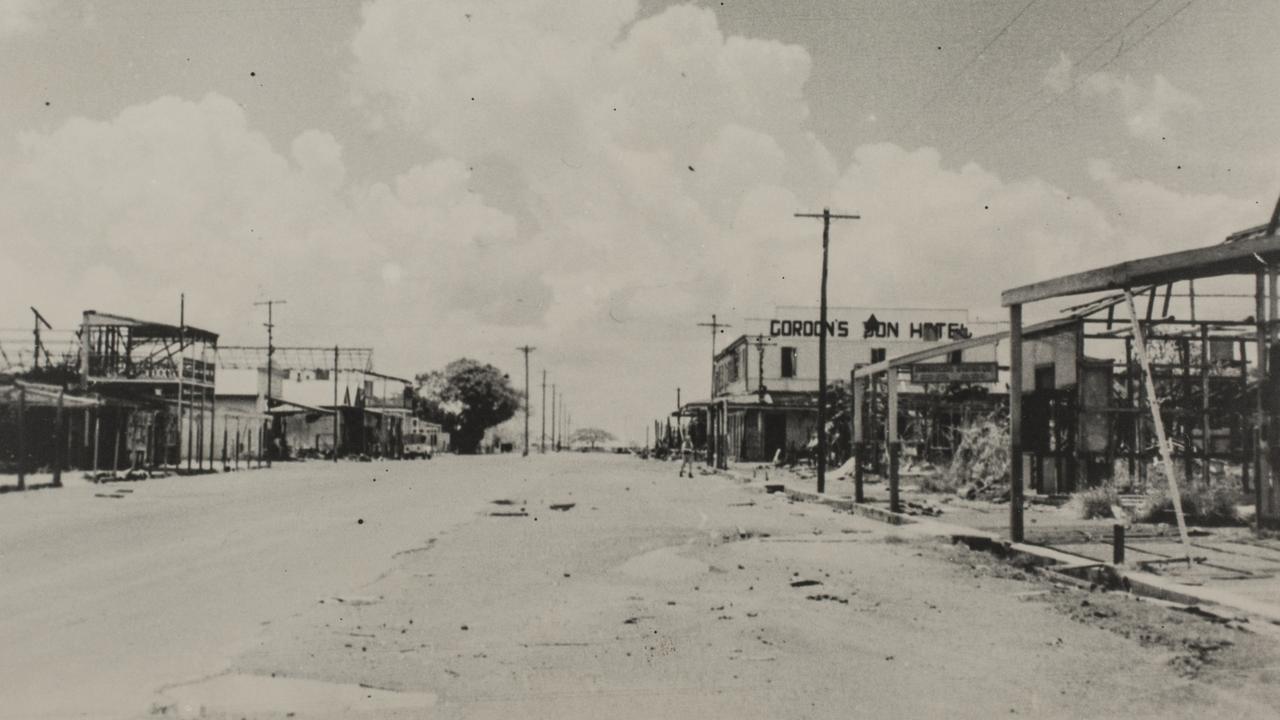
[
  {"x": 288, "y": 407},
  {"x": 40, "y": 394}
]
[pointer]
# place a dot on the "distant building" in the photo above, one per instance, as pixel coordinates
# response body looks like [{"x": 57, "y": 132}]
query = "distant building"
[
  {"x": 765, "y": 395},
  {"x": 313, "y": 388}
]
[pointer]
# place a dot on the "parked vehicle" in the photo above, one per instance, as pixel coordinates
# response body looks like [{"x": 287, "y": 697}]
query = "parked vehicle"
[{"x": 418, "y": 445}]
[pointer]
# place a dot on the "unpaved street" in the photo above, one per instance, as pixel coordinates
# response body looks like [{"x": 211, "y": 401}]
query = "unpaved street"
[{"x": 569, "y": 586}]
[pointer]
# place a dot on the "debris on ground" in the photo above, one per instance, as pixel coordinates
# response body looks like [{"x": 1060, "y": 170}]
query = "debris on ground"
[
  {"x": 562, "y": 507},
  {"x": 921, "y": 507},
  {"x": 826, "y": 596},
  {"x": 805, "y": 583}
]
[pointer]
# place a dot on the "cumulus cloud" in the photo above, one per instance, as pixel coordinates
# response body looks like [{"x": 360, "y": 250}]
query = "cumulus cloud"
[
  {"x": 651, "y": 167},
  {"x": 1150, "y": 113},
  {"x": 1058, "y": 77},
  {"x": 177, "y": 196}
]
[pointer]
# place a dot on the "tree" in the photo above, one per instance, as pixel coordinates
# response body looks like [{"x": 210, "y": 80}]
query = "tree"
[
  {"x": 591, "y": 436},
  {"x": 467, "y": 398}
]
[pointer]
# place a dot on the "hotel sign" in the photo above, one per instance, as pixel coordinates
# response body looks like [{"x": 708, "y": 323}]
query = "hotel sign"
[
  {"x": 877, "y": 324},
  {"x": 970, "y": 373}
]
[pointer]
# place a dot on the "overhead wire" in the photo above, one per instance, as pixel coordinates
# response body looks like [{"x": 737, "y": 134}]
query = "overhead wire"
[
  {"x": 1123, "y": 50},
  {"x": 938, "y": 93}
]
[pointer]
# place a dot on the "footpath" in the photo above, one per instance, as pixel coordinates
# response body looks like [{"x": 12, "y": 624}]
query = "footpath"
[{"x": 1232, "y": 574}]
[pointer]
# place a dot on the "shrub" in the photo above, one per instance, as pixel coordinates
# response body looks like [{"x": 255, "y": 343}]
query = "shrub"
[
  {"x": 982, "y": 455},
  {"x": 1096, "y": 503},
  {"x": 1212, "y": 505}
]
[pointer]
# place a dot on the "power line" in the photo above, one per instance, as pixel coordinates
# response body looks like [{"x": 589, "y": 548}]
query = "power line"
[
  {"x": 972, "y": 60},
  {"x": 526, "y": 349},
  {"x": 990, "y": 128}
]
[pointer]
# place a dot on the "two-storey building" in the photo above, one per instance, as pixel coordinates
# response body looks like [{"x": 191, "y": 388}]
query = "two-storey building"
[{"x": 765, "y": 396}]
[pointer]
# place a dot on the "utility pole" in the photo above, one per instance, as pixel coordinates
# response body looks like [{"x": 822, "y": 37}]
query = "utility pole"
[
  {"x": 526, "y": 349},
  {"x": 337, "y": 412},
  {"x": 713, "y": 434},
  {"x": 39, "y": 320},
  {"x": 271, "y": 350},
  {"x": 678, "y": 406},
  {"x": 554, "y": 434},
  {"x": 542, "y": 444},
  {"x": 822, "y": 344},
  {"x": 761, "y": 344}
]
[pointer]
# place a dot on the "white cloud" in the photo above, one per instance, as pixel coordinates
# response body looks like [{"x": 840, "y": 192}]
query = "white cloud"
[
  {"x": 178, "y": 196},
  {"x": 1156, "y": 219},
  {"x": 1151, "y": 113},
  {"x": 656, "y": 163},
  {"x": 1058, "y": 77}
]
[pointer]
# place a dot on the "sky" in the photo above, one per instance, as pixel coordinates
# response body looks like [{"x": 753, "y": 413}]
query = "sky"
[{"x": 595, "y": 177}]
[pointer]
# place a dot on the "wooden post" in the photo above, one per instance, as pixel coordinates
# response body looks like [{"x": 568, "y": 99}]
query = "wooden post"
[
  {"x": 859, "y": 390},
  {"x": 115, "y": 462},
  {"x": 224, "y": 445},
  {"x": 213, "y": 419},
  {"x": 1205, "y": 425},
  {"x": 1242, "y": 419},
  {"x": 59, "y": 442},
  {"x": 1015, "y": 423},
  {"x": 1117, "y": 544},
  {"x": 337, "y": 413},
  {"x": 1262, "y": 445},
  {"x": 1184, "y": 351},
  {"x": 97, "y": 438},
  {"x": 200, "y": 432},
  {"x": 237, "y": 448},
  {"x": 891, "y": 435},
  {"x": 191, "y": 426},
  {"x": 22, "y": 438},
  {"x": 1153, "y": 402}
]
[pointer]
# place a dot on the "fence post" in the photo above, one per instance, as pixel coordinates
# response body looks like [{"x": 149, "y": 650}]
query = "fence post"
[
  {"x": 59, "y": 442},
  {"x": 22, "y": 438}
]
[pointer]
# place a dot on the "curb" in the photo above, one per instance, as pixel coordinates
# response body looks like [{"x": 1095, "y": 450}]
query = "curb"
[{"x": 1060, "y": 564}]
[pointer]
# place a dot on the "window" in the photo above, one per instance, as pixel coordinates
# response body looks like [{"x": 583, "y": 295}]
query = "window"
[
  {"x": 877, "y": 355},
  {"x": 322, "y": 374},
  {"x": 788, "y": 362},
  {"x": 955, "y": 357}
]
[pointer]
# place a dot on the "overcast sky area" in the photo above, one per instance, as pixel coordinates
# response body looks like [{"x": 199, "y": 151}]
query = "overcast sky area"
[{"x": 594, "y": 177}]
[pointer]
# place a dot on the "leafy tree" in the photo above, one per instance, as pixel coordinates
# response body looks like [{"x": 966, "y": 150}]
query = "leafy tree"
[
  {"x": 591, "y": 436},
  {"x": 467, "y": 398}
]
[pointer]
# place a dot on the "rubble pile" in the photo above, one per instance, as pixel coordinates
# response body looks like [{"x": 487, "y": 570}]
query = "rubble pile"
[{"x": 980, "y": 466}]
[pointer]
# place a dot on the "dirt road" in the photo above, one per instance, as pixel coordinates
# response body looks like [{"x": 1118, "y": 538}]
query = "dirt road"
[{"x": 568, "y": 586}]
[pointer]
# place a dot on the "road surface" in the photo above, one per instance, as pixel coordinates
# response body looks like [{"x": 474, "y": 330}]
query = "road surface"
[{"x": 569, "y": 586}]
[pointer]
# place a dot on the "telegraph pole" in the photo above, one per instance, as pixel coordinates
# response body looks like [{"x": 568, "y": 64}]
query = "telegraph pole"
[
  {"x": 822, "y": 344},
  {"x": 337, "y": 411},
  {"x": 713, "y": 434},
  {"x": 761, "y": 344},
  {"x": 542, "y": 444},
  {"x": 678, "y": 406},
  {"x": 554, "y": 447},
  {"x": 526, "y": 349},
  {"x": 271, "y": 350},
  {"x": 39, "y": 320}
]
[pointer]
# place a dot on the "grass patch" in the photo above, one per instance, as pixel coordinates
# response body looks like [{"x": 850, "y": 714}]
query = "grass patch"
[
  {"x": 1212, "y": 505},
  {"x": 1095, "y": 503}
]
